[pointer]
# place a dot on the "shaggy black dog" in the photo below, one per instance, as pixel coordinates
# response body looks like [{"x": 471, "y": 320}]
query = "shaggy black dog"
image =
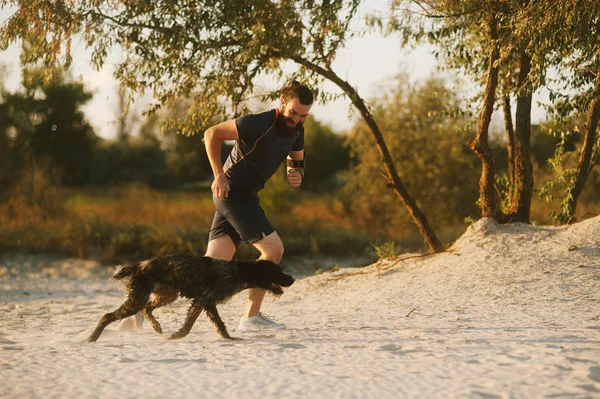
[{"x": 207, "y": 281}]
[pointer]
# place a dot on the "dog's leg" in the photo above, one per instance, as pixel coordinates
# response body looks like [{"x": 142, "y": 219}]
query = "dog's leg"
[
  {"x": 193, "y": 313},
  {"x": 162, "y": 296},
  {"x": 136, "y": 299},
  {"x": 213, "y": 315}
]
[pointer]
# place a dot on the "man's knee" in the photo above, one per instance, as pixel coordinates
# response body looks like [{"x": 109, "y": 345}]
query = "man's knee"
[
  {"x": 270, "y": 247},
  {"x": 274, "y": 254}
]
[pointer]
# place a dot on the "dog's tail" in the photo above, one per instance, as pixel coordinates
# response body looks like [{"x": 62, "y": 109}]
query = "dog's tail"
[{"x": 125, "y": 271}]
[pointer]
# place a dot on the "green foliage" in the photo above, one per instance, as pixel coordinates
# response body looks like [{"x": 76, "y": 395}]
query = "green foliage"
[
  {"x": 326, "y": 157},
  {"x": 533, "y": 38},
  {"x": 386, "y": 250},
  {"x": 186, "y": 158},
  {"x": 168, "y": 160},
  {"x": 562, "y": 182},
  {"x": 426, "y": 139},
  {"x": 47, "y": 123},
  {"x": 211, "y": 52},
  {"x": 278, "y": 197},
  {"x": 469, "y": 220},
  {"x": 157, "y": 156},
  {"x": 563, "y": 35},
  {"x": 118, "y": 163},
  {"x": 505, "y": 186}
]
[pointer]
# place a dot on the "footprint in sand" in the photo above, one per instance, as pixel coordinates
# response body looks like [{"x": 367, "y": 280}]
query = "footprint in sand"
[
  {"x": 182, "y": 360},
  {"x": 13, "y": 348},
  {"x": 595, "y": 373},
  {"x": 589, "y": 388},
  {"x": 478, "y": 394},
  {"x": 391, "y": 348},
  {"x": 292, "y": 346}
]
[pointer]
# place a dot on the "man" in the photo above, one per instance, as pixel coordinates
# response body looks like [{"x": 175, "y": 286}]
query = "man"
[{"x": 263, "y": 142}]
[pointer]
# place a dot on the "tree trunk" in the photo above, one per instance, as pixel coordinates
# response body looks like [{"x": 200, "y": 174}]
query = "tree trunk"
[
  {"x": 510, "y": 143},
  {"x": 480, "y": 145},
  {"x": 393, "y": 179},
  {"x": 586, "y": 161},
  {"x": 523, "y": 172}
]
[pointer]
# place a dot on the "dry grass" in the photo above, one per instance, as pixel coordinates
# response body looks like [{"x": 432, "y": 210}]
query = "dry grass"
[
  {"x": 133, "y": 222},
  {"x": 140, "y": 205}
]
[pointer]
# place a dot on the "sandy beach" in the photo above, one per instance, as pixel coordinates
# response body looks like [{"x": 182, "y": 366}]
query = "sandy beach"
[{"x": 509, "y": 311}]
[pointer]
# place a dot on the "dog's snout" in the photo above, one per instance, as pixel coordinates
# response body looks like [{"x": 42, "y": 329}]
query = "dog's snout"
[{"x": 286, "y": 280}]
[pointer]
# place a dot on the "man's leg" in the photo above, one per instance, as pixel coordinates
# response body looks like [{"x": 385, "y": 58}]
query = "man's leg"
[
  {"x": 271, "y": 248},
  {"x": 246, "y": 220},
  {"x": 221, "y": 247}
]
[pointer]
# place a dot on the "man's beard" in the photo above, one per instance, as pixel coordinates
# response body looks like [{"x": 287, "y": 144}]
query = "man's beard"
[{"x": 283, "y": 127}]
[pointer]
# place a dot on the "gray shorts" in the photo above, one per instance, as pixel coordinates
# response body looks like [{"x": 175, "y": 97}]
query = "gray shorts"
[{"x": 241, "y": 217}]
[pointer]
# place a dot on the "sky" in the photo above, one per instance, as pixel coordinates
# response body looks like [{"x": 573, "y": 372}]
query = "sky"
[{"x": 365, "y": 62}]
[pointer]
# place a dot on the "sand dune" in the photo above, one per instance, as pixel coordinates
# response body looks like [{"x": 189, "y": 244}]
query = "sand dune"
[{"x": 508, "y": 312}]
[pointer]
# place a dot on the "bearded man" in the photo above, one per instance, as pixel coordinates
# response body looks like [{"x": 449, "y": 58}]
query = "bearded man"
[{"x": 262, "y": 143}]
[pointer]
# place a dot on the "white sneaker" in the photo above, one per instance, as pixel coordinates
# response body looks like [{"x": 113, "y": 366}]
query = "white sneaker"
[
  {"x": 131, "y": 324},
  {"x": 258, "y": 323}
]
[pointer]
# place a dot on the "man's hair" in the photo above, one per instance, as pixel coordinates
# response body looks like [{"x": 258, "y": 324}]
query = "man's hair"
[{"x": 296, "y": 89}]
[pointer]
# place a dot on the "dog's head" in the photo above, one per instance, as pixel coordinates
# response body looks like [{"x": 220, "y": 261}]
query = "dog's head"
[{"x": 267, "y": 275}]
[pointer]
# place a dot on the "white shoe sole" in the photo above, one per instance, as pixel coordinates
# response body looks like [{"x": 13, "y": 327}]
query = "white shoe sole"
[{"x": 249, "y": 329}]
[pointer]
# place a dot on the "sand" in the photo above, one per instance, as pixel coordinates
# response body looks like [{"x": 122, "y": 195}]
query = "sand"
[{"x": 508, "y": 312}]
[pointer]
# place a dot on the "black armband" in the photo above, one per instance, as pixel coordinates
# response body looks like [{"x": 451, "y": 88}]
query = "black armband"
[
  {"x": 298, "y": 165},
  {"x": 295, "y": 164}
]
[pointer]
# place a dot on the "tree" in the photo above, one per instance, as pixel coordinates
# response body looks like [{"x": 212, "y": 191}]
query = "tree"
[
  {"x": 186, "y": 158},
  {"x": 427, "y": 135},
  {"x": 125, "y": 118},
  {"x": 7, "y": 167},
  {"x": 511, "y": 45},
  {"x": 48, "y": 123},
  {"x": 569, "y": 33},
  {"x": 480, "y": 145},
  {"x": 469, "y": 38},
  {"x": 208, "y": 51}
]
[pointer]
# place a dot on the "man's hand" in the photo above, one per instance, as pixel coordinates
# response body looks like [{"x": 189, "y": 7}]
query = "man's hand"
[
  {"x": 293, "y": 177},
  {"x": 220, "y": 186}
]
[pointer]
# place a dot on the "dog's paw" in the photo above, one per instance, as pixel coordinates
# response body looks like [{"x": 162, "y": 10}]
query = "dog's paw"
[
  {"x": 177, "y": 336},
  {"x": 157, "y": 328}
]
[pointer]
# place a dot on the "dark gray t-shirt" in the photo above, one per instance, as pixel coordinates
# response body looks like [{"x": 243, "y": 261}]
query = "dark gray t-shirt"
[{"x": 259, "y": 151}]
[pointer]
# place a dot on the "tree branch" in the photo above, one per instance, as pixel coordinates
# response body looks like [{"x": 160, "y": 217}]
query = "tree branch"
[{"x": 430, "y": 14}]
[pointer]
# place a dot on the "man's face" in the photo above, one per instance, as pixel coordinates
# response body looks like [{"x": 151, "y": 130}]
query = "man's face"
[{"x": 294, "y": 112}]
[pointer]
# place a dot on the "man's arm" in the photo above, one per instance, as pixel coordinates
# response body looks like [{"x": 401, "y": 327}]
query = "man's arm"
[
  {"x": 294, "y": 175},
  {"x": 213, "y": 140}
]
